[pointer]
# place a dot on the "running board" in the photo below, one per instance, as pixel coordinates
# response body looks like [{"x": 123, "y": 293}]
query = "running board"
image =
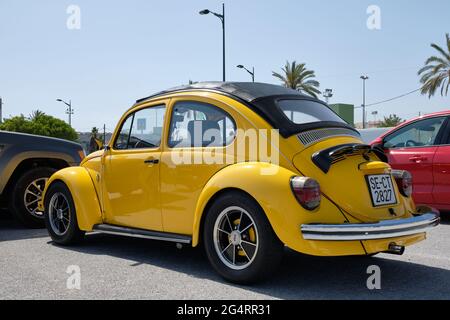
[{"x": 140, "y": 233}]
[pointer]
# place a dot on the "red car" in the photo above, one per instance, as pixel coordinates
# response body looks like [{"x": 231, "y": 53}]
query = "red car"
[{"x": 422, "y": 146}]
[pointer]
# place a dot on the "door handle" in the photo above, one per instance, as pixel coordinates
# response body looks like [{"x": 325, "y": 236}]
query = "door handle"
[
  {"x": 151, "y": 161},
  {"x": 418, "y": 158}
]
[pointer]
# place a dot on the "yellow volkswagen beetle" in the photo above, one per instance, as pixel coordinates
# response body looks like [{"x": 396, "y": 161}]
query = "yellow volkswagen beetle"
[{"x": 245, "y": 169}]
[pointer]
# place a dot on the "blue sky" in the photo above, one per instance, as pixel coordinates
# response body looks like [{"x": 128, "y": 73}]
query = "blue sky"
[{"x": 128, "y": 49}]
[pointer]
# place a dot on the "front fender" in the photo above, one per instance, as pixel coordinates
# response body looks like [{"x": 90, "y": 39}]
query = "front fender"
[
  {"x": 270, "y": 186},
  {"x": 85, "y": 198}
]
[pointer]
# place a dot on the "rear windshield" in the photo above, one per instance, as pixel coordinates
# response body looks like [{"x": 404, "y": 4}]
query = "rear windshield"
[{"x": 306, "y": 111}]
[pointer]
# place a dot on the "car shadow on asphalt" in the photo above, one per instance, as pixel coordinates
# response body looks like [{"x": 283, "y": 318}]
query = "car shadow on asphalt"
[
  {"x": 299, "y": 276},
  {"x": 445, "y": 217},
  {"x": 10, "y": 229}
]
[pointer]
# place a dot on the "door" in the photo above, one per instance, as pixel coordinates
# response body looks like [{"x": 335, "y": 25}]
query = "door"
[
  {"x": 131, "y": 171},
  {"x": 441, "y": 172},
  {"x": 200, "y": 135},
  {"x": 413, "y": 147}
]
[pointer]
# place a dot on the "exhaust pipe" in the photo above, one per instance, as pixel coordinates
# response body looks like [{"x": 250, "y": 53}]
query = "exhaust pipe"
[{"x": 396, "y": 249}]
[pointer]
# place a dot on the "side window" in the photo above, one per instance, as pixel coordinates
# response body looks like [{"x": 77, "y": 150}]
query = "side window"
[
  {"x": 124, "y": 134},
  {"x": 142, "y": 129},
  {"x": 196, "y": 124},
  {"x": 418, "y": 134}
]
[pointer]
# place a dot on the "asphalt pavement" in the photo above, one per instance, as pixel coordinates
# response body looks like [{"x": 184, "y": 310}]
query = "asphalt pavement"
[{"x": 111, "y": 267}]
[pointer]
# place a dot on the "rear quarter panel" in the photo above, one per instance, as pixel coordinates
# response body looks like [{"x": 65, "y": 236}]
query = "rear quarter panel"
[{"x": 275, "y": 197}]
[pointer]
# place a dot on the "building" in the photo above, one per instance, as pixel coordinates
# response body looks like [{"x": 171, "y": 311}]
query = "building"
[{"x": 345, "y": 111}]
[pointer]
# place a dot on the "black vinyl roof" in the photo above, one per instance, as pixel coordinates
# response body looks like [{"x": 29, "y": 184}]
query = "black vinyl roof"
[
  {"x": 246, "y": 91},
  {"x": 261, "y": 98}
]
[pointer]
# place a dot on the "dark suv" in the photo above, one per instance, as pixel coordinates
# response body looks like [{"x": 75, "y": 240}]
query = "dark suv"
[{"x": 26, "y": 162}]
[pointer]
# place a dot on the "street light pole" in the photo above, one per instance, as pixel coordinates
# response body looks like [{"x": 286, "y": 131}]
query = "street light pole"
[
  {"x": 69, "y": 110},
  {"x": 328, "y": 94},
  {"x": 252, "y": 73},
  {"x": 374, "y": 113},
  {"x": 223, "y": 41},
  {"x": 364, "y": 78},
  {"x": 1, "y": 109},
  {"x": 222, "y": 19}
]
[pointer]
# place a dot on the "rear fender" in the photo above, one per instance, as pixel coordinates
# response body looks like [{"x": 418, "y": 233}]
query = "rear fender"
[{"x": 273, "y": 193}]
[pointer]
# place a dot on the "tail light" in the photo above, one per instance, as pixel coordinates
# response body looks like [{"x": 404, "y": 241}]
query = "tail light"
[
  {"x": 306, "y": 191},
  {"x": 404, "y": 181}
]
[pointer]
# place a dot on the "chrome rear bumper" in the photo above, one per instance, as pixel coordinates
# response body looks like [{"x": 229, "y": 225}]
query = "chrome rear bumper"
[{"x": 368, "y": 231}]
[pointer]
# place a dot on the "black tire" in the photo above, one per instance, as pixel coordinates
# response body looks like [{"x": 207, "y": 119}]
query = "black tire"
[
  {"x": 73, "y": 234},
  {"x": 265, "y": 259},
  {"x": 17, "y": 199}
]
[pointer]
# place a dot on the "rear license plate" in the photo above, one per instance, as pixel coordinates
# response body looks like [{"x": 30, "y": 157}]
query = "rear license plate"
[{"x": 381, "y": 189}]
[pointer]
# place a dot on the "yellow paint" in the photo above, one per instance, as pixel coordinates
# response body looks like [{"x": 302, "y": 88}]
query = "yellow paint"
[
  {"x": 85, "y": 198},
  {"x": 373, "y": 246},
  {"x": 350, "y": 191},
  {"x": 117, "y": 187}
]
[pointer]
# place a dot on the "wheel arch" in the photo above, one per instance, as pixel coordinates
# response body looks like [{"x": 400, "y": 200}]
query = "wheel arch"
[
  {"x": 84, "y": 195},
  {"x": 29, "y": 164},
  {"x": 247, "y": 178},
  {"x": 210, "y": 202}
]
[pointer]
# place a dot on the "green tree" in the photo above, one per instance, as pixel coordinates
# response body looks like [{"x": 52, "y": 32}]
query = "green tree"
[
  {"x": 436, "y": 72},
  {"x": 297, "y": 77},
  {"x": 35, "y": 114},
  {"x": 391, "y": 121},
  {"x": 41, "y": 124}
]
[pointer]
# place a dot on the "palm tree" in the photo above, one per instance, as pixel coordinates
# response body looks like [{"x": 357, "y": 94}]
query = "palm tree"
[
  {"x": 94, "y": 132},
  {"x": 35, "y": 114},
  {"x": 436, "y": 72},
  {"x": 297, "y": 77}
]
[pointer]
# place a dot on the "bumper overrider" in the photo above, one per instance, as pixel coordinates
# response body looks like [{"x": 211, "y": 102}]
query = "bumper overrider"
[{"x": 368, "y": 231}]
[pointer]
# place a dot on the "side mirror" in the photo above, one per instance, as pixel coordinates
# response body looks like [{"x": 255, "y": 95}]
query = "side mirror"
[{"x": 378, "y": 144}]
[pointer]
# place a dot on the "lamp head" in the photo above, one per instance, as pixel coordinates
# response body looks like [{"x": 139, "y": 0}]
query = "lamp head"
[
  {"x": 240, "y": 66},
  {"x": 205, "y": 11}
]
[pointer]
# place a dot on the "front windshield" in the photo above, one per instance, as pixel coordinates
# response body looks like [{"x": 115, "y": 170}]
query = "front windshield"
[{"x": 307, "y": 111}]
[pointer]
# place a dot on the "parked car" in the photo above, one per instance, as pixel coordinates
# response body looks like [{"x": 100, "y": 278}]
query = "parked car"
[
  {"x": 422, "y": 146},
  {"x": 175, "y": 170},
  {"x": 370, "y": 134},
  {"x": 26, "y": 163}
]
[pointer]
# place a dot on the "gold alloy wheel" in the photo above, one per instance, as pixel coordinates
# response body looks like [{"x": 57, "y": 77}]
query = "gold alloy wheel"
[{"x": 32, "y": 195}]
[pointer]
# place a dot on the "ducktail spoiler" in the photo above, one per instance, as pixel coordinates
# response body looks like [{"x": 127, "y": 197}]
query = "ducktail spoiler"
[{"x": 324, "y": 159}]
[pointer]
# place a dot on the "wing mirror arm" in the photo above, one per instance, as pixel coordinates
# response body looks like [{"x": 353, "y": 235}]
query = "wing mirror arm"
[{"x": 106, "y": 150}]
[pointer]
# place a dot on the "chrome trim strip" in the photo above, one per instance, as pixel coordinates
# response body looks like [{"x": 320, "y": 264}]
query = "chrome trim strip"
[
  {"x": 368, "y": 231},
  {"x": 139, "y": 233}
]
